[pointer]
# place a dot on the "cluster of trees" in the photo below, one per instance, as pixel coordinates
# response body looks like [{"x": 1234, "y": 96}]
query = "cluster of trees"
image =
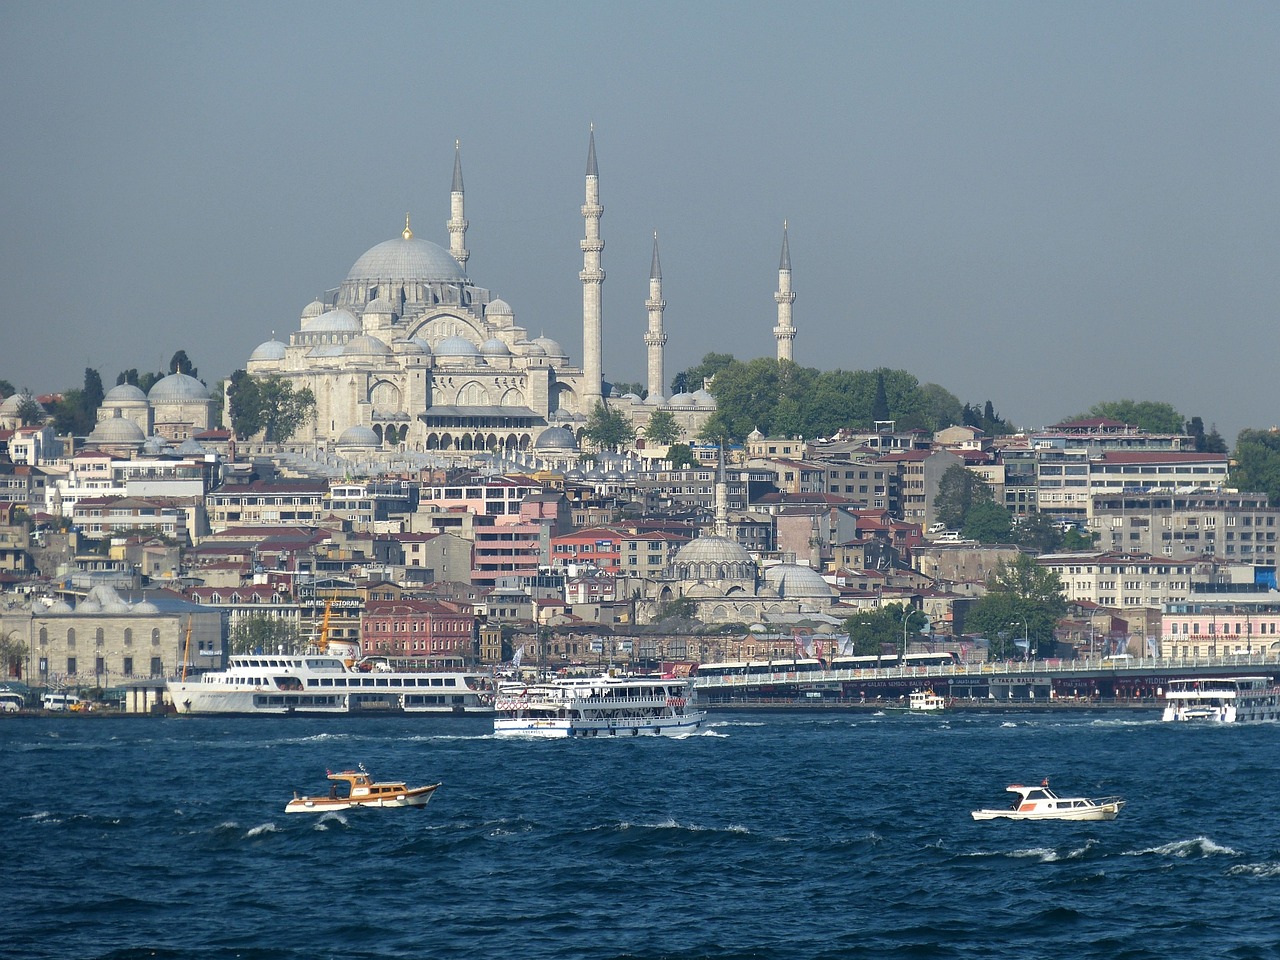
[
  {"x": 1155, "y": 417},
  {"x": 610, "y": 429},
  {"x": 267, "y": 404},
  {"x": 779, "y": 397},
  {"x": 264, "y": 634},
  {"x": 965, "y": 502}
]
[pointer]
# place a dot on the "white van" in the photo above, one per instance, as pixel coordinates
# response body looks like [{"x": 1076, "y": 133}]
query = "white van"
[{"x": 59, "y": 701}]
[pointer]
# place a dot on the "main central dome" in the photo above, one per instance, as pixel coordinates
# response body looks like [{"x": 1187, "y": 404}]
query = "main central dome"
[{"x": 408, "y": 258}]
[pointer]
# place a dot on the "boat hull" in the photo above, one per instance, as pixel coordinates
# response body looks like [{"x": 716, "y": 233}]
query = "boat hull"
[
  {"x": 1101, "y": 811},
  {"x": 417, "y": 797}
]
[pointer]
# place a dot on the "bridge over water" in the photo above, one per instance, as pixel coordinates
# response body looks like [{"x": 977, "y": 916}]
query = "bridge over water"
[{"x": 1096, "y": 680}]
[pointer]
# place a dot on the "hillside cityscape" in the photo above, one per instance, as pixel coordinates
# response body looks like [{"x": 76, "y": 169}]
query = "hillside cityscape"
[{"x": 411, "y": 472}]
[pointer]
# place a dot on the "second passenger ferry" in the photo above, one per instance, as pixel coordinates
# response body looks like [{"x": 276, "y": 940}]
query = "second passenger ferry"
[
  {"x": 601, "y": 706},
  {"x": 326, "y": 684}
]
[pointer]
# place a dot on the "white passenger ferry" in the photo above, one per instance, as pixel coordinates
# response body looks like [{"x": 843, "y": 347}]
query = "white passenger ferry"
[
  {"x": 1223, "y": 700},
  {"x": 601, "y": 706},
  {"x": 324, "y": 684}
]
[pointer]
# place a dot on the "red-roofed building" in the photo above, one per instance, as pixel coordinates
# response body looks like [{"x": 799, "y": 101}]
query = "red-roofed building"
[{"x": 419, "y": 629}]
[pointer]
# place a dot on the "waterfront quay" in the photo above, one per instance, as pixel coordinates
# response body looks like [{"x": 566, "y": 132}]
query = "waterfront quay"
[{"x": 1105, "y": 683}]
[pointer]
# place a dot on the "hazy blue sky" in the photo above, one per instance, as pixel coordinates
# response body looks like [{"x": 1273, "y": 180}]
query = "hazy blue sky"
[{"x": 1044, "y": 204}]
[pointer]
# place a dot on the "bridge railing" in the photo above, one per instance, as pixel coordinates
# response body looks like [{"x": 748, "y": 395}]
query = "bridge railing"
[{"x": 1093, "y": 666}]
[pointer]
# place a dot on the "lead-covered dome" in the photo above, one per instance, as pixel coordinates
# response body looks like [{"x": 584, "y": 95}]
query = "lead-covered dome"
[
  {"x": 116, "y": 430},
  {"x": 366, "y": 346},
  {"x": 125, "y": 393},
  {"x": 340, "y": 320},
  {"x": 407, "y": 258},
  {"x": 712, "y": 550},
  {"x": 796, "y": 582},
  {"x": 177, "y": 388},
  {"x": 358, "y": 436},
  {"x": 556, "y": 438},
  {"x": 271, "y": 350}
]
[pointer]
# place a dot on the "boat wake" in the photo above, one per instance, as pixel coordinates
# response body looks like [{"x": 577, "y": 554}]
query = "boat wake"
[
  {"x": 1183, "y": 849},
  {"x": 1263, "y": 871}
]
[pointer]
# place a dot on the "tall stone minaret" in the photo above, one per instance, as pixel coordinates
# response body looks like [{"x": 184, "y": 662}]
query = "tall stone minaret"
[
  {"x": 722, "y": 496},
  {"x": 457, "y": 222},
  {"x": 655, "y": 338},
  {"x": 784, "y": 332},
  {"x": 592, "y": 277}
]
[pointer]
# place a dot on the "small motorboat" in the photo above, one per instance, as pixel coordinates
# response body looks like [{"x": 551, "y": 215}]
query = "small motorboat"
[
  {"x": 1041, "y": 803},
  {"x": 361, "y": 791}
]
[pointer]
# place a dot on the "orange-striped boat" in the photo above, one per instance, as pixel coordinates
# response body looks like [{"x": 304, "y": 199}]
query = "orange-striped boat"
[{"x": 362, "y": 791}]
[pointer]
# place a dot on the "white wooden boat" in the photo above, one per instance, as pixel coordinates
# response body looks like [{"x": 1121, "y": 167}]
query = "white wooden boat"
[
  {"x": 356, "y": 788},
  {"x": 1041, "y": 803}
]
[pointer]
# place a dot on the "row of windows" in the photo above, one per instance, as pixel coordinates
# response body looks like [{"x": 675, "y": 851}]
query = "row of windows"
[
  {"x": 99, "y": 637},
  {"x": 102, "y": 669}
]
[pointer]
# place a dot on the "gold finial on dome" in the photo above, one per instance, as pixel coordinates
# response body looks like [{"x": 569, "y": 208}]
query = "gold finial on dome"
[{"x": 408, "y": 234}]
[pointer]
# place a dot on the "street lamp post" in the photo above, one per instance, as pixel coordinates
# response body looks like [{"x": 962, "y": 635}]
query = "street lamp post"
[{"x": 1026, "y": 643}]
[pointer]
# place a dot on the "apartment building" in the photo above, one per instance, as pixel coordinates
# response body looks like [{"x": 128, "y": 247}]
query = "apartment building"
[{"x": 1180, "y": 524}]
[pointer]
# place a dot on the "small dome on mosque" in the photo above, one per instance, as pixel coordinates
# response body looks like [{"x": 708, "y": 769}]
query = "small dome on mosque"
[
  {"x": 655, "y": 400},
  {"x": 366, "y": 346},
  {"x": 755, "y": 435},
  {"x": 426, "y": 347},
  {"x": 494, "y": 347},
  {"x": 145, "y": 608},
  {"x": 59, "y": 606},
  {"x": 556, "y": 438},
  {"x": 358, "y": 436},
  {"x": 313, "y": 309},
  {"x": 553, "y": 349},
  {"x": 794, "y": 581},
  {"x": 271, "y": 350},
  {"x": 156, "y": 444},
  {"x": 411, "y": 346},
  {"x": 456, "y": 347},
  {"x": 125, "y": 393},
  {"x": 498, "y": 308},
  {"x": 407, "y": 258},
  {"x": 117, "y": 430},
  {"x": 682, "y": 400},
  {"x": 701, "y": 398},
  {"x": 528, "y": 348},
  {"x": 88, "y": 606},
  {"x": 191, "y": 448},
  {"x": 340, "y": 320},
  {"x": 178, "y": 388},
  {"x": 633, "y": 397},
  {"x": 379, "y": 305},
  {"x": 712, "y": 550}
]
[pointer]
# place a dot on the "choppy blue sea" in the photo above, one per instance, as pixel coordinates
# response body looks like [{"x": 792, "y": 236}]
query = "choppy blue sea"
[{"x": 766, "y": 836}]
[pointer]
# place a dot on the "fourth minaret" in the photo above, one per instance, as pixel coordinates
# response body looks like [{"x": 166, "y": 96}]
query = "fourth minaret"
[{"x": 784, "y": 332}]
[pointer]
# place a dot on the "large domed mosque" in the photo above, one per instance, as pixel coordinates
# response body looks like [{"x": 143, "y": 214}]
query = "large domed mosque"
[{"x": 409, "y": 354}]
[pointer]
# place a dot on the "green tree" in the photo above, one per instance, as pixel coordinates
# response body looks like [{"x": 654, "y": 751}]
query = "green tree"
[
  {"x": 687, "y": 381},
  {"x": 873, "y": 632},
  {"x": 267, "y": 404},
  {"x": 1021, "y": 596},
  {"x": 622, "y": 388},
  {"x": 179, "y": 363},
  {"x": 609, "y": 429},
  {"x": 29, "y": 410},
  {"x": 959, "y": 491},
  {"x": 92, "y": 394},
  {"x": 1256, "y": 464},
  {"x": 1075, "y": 540},
  {"x": 681, "y": 455},
  {"x": 943, "y": 406},
  {"x": 260, "y": 633},
  {"x": 13, "y": 654},
  {"x": 662, "y": 427},
  {"x": 988, "y": 522},
  {"x": 1038, "y": 533},
  {"x": 1149, "y": 415},
  {"x": 880, "y": 405},
  {"x": 6, "y": 390}
]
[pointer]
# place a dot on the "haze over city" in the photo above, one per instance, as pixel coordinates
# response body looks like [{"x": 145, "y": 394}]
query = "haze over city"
[{"x": 1044, "y": 205}]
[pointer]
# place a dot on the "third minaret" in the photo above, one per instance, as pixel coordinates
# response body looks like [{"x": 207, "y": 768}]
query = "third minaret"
[
  {"x": 457, "y": 222},
  {"x": 655, "y": 338},
  {"x": 784, "y": 332},
  {"x": 592, "y": 277}
]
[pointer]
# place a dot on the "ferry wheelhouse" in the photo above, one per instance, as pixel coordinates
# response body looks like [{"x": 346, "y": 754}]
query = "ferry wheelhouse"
[
  {"x": 601, "y": 706},
  {"x": 1222, "y": 700},
  {"x": 324, "y": 684}
]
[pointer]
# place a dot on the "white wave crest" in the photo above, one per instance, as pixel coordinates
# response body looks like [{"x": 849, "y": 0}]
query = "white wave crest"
[
  {"x": 263, "y": 828},
  {"x": 1196, "y": 847},
  {"x": 1264, "y": 871}
]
